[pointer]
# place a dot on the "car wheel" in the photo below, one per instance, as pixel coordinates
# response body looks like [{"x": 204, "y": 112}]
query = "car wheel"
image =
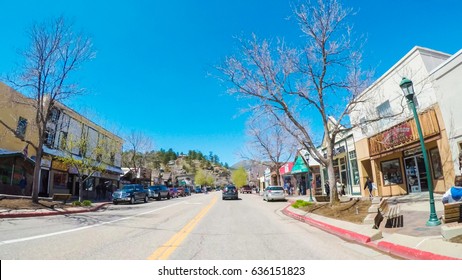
[
  {"x": 159, "y": 197},
  {"x": 168, "y": 196},
  {"x": 132, "y": 200},
  {"x": 145, "y": 199},
  {"x": 115, "y": 202}
]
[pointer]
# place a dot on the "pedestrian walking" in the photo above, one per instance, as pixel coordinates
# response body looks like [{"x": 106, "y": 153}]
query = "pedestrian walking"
[
  {"x": 327, "y": 189},
  {"x": 370, "y": 186},
  {"x": 23, "y": 184}
]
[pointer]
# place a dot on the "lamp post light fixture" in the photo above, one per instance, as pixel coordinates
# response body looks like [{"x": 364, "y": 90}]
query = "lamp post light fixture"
[{"x": 408, "y": 90}]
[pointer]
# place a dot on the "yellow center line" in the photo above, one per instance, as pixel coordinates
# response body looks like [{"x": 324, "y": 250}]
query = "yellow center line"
[{"x": 164, "y": 251}]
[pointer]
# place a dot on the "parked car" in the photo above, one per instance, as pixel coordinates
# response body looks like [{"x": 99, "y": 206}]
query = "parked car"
[
  {"x": 158, "y": 192},
  {"x": 130, "y": 193},
  {"x": 229, "y": 192},
  {"x": 274, "y": 193},
  {"x": 246, "y": 189},
  {"x": 198, "y": 189},
  {"x": 173, "y": 192}
]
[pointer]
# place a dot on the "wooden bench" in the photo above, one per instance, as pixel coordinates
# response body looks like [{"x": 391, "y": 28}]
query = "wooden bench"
[
  {"x": 452, "y": 212},
  {"x": 389, "y": 212},
  {"x": 64, "y": 197}
]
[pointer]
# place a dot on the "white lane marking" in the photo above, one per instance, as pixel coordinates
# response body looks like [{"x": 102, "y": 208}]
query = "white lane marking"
[{"x": 82, "y": 228}]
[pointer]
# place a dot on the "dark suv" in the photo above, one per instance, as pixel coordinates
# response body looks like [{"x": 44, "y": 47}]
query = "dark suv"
[
  {"x": 158, "y": 192},
  {"x": 130, "y": 193},
  {"x": 229, "y": 192},
  {"x": 246, "y": 189}
]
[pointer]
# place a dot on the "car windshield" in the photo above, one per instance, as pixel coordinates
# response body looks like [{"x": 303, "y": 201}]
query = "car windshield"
[
  {"x": 275, "y": 188},
  {"x": 127, "y": 188}
]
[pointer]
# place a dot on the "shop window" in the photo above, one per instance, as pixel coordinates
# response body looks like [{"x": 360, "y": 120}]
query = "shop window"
[
  {"x": 436, "y": 163},
  {"x": 63, "y": 141},
  {"x": 363, "y": 125},
  {"x": 54, "y": 115},
  {"x": 354, "y": 167},
  {"x": 49, "y": 137},
  {"x": 21, "y": 128},
  {"x": 391, "y": 171},
  {"x": 384, "y": 112},
  {"x": 59, "y": 180}
]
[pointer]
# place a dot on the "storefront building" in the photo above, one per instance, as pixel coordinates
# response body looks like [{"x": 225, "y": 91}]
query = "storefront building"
[
  {"x": 286, "y": 175},
  {"x": 63, "y": 125},
  {"x": 388, "y": 149}
]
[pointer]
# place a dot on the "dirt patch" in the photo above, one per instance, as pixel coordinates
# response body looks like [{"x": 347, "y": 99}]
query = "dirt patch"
[
  {"x": 354, "y": 211},
  {"x": 25, "y": 203}
]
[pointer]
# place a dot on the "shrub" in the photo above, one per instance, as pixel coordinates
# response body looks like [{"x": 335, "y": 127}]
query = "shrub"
[
  {"x": 77, "y": 203},
  {"x": 300, "y": 203},
  {"x": 86, "y": 203}
]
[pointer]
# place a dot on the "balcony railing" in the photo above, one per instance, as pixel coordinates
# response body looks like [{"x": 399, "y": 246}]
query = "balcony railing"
[{"x": 404, "y": 133}]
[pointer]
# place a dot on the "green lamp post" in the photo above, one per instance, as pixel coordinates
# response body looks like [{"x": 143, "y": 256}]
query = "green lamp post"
[
  {"x": 307, "y": 156},
  {"x": 408, "y": 90}
]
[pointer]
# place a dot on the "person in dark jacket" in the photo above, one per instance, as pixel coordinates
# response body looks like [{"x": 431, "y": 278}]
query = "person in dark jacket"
[{"x": 369, "y": 185}]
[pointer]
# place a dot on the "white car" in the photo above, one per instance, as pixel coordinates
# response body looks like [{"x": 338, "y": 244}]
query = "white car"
[{"x": 274, "y": 193}]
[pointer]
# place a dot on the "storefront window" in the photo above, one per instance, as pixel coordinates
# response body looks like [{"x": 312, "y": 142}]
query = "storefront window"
[
  {"x": 59, "y": 180},
  {"x": 391, "y": 171},
  {"x": 436, "y": 164},
  {"x": 354, "y": 167}
]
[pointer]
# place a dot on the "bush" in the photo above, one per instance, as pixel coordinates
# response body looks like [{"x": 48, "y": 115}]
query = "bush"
[
  {"x": 300, "y": 203},
  {"x": 86, "y": 203},
  {"x": 77, "y": 203}
]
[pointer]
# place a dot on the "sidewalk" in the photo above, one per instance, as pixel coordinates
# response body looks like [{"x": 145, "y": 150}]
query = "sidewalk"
[{"x": 414, "y": 240}]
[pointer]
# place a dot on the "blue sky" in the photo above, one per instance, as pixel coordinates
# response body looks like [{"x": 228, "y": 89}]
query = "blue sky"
[{"x": 153, "y": 57}]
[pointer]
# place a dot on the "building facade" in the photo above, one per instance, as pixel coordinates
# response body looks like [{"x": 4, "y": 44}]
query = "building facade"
[
  {"x": 388, "y": 149},
  {"x": 64, "y": 125}
]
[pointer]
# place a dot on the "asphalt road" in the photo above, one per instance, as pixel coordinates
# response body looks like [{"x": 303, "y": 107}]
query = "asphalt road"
[{"x": 199, "y": 227}]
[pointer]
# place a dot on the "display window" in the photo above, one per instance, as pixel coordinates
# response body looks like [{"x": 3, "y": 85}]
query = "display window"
[{"x": 391, "y": 171}]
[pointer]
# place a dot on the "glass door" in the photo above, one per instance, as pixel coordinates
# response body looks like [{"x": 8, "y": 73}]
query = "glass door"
[
  {"x": 422, "y": 173},
  {"x": 412, "y": 174}
]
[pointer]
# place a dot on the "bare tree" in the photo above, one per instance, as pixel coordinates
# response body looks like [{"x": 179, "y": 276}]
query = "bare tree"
[
  {"x": 268, "y": 144},
  {"x": 92, "y": 161},
  {"x": 136, "y": 147},
  {"x": 302, "y": 87},
  {"x": 55, "y": 52}
]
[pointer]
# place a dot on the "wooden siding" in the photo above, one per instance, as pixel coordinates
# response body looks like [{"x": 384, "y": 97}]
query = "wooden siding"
[{"x": 404, "y": 133}]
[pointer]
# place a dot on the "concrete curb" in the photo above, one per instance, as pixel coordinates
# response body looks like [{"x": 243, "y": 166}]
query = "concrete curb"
[
  {"x": 51, "y": 213},
  {"x": 384, "y": 246}
]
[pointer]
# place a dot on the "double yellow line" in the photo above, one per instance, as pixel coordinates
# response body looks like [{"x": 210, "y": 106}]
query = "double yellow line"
[{"x": 164, "y": 251}]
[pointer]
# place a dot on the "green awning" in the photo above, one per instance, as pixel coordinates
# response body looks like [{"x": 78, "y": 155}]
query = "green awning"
[{"x": 299, "y": 166}]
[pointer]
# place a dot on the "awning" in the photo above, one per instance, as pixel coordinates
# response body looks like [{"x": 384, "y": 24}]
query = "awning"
[{"x": 299, "y": 166}]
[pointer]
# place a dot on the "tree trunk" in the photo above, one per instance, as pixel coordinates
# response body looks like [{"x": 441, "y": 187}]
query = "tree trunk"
[
  {"x": 334, "y": 199},
  {"x": 37, "y": 170}
]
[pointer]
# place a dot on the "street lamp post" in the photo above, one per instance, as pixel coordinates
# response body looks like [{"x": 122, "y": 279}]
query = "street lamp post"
[
  {"x": 408, "y": 90},
  {"x": 307, "y": 155}
]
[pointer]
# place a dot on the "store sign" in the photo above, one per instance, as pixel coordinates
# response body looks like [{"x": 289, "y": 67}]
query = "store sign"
[
  {"x": 397, "y": 135},
  {"x": 286, "y": 168}
]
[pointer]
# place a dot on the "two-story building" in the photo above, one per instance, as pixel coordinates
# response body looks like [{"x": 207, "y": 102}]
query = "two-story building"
[
  {"x": 63, "y": 125},
  {"x": 388, "y": 150}
]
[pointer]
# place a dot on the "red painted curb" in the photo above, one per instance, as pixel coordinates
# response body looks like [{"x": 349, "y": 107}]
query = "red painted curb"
[
  {"x": 40, "y": 214},
  {"x": 384, "y": 246},
  {"x": 350, "y": 235},
  {"x": 410, "y": 253}
]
